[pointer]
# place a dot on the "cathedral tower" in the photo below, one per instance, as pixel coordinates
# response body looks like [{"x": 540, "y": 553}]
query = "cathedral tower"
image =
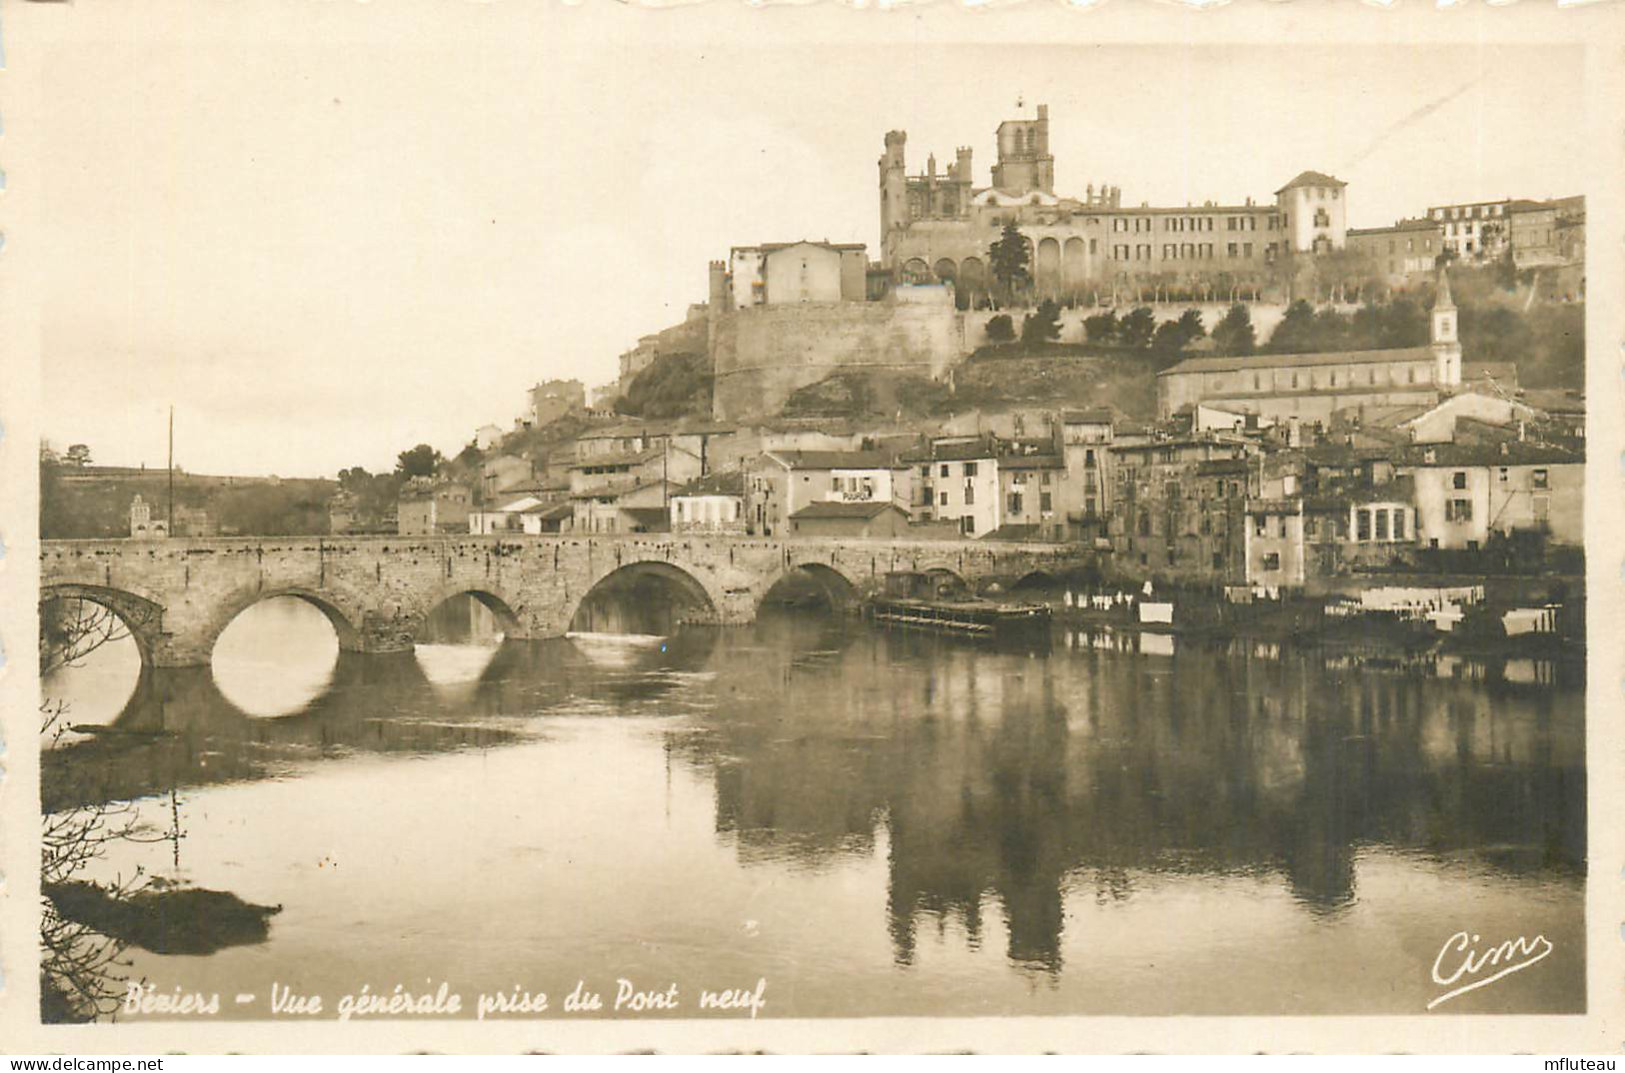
[{"x": 893, "y": 186}]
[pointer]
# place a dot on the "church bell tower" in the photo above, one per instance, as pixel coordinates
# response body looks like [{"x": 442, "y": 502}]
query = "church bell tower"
[{"x": 1446, "y": 339}]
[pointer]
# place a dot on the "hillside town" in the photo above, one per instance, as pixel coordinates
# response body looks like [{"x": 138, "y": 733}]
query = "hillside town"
[{"x": 1251, "y": 396}]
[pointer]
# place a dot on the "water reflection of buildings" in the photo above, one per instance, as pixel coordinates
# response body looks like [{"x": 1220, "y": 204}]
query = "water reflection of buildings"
[
  {"x": 1026, "y": 779},
  {"x": 1007, "y": 781}
]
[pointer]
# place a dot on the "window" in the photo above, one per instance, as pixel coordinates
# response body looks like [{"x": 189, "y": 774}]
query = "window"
[
  {"x": 1272, "y": 561},
  {"x": 942, "y": 499},
  {"x": 1258, "y": 525},
  {"x": 1538, "y": 478},
  {"x": 945, "y": 469},
  {"x": 1458, "y": 510},
  {"x": 970, "y": 469},
  {"x": 1459, "y": 480},
  {"x": 1014, "y": 503},
  {"x": 1399, "y": 524},
  {"x": 970, "y": 494},
  {"x": 1362, "y": 525},
  {"x": 1045, "y": 505},
  {"x": 1231, "y": 249},
  {"x": 1382, "y": 525},
  {"x": 1503, "y": 474}
]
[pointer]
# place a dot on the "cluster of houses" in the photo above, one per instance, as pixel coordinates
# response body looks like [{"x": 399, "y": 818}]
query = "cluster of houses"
[{"x": 1272, "y": 472}]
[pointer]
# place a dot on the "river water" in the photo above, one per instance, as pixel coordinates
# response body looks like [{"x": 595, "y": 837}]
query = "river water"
[{"x": 873, "y": 822}]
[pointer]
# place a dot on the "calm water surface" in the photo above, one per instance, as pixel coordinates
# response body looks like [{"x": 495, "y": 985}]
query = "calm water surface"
[{"x": 876, "y": 823}]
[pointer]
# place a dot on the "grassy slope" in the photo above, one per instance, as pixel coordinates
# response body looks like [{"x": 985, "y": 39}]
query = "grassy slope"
[{"x": 991, "y": 380}]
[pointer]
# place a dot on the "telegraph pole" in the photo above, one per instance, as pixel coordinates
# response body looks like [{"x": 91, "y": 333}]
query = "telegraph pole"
[{"x": 171, "y": 525}]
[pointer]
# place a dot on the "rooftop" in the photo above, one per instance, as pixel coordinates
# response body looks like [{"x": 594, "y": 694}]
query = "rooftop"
[
  {"x": 835, "y": 509},
  {"x": 1412, "y": 224},
  {"x": 726, "y": 483},
  {"x": 796, "y": 459},
  {"x": 1282, "y": 361},
  {"x": 1313, "y": 178}
]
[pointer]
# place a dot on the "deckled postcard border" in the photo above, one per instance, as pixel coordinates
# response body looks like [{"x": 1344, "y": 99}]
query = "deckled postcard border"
[{"x": 26, "y": 27}]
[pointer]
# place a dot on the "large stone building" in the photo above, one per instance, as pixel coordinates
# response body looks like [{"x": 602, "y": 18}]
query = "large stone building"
[
  {"x": 1402, "y": 251},
  {"x": 778, "y": 273},
  {"x": 937, "y": 228},
  {"x": 1311, "y": 387},
  {"x": 1475, "y": 230},
  {"x": 553, "y": 399}
]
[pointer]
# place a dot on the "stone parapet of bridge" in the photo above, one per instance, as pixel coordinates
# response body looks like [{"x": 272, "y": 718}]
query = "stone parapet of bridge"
[{"x": 176, "y": 596}]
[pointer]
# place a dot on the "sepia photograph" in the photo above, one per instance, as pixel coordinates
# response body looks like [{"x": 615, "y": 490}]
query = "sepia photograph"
[{"x": 548, "y": 518}]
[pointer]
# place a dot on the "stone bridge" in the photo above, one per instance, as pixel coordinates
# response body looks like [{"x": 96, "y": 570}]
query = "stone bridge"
[{"x": 176, "y": 596}]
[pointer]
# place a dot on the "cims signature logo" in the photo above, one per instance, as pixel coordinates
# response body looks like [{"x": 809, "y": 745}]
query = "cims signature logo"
[{"x": 1463, "y": 965}]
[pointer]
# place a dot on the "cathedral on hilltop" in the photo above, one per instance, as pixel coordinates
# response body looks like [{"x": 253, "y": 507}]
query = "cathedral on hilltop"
[{"x": 936, "y": 227}]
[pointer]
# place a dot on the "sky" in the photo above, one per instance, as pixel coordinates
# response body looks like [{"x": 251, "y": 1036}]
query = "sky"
[{"x": 322, "y": 247}]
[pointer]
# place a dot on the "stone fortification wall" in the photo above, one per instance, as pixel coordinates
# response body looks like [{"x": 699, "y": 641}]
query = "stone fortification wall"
[{"x": 761, "y": 355}]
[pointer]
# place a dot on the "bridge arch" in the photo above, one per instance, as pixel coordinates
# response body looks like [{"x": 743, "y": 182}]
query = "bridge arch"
[
  {"x": 817, "y": 580},
  {"x": 627, "y": 599},
  {"x": 492, "y": 598},
  {"x": 141, "y": 616},
  {"x": 1036, "y": 579},
  {"x": 343, "y": 614}
]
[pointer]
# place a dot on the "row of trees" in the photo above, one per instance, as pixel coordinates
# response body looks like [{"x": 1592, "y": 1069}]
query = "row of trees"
[{"x": 1136, "y": 330}]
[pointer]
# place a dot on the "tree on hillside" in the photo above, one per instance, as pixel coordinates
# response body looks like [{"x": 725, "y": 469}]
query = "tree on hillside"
[
  {"x": 1173, "y": 336},
  {"x": 674, "y": 385},
  {"x": 470, "y": 457},
  {"x": 1009, "y": 259},
  {"x": 420, "y": 461},
  {"x": 78, "y": 455},
  {"x": 1191, "y": 327},
  {"x": 1137, "y": 328},
  {"x": 1234, "y": 334},
  {"x": 1042, "y": 325},
  {"x": 1102, "y": 327},
  {"x": 1296, "y": 332},
  {"x": 1166, "y": 341},
  {"x": 1001, "y": 329}
]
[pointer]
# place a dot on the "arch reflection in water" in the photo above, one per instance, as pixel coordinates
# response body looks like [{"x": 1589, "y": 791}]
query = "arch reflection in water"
[
  {"x": 276, "y": 657},
  {"x": 459, "y": 640},
  {"x": 92, "y": 667}
]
